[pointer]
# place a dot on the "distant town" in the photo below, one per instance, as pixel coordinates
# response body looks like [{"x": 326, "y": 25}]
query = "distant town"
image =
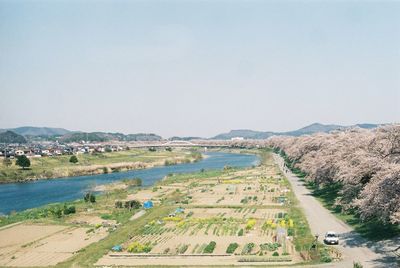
[{"x": 36, "y": 142}]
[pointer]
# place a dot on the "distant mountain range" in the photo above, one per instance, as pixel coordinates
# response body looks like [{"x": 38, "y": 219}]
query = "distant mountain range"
[
  {"x": 102, "y": 137},
  {"x": 313, "y": 128},
  {"x": 38, "y": 131},
  {"x": 11, "y": 137},
  {"x": 22, "y": 134},
  {"x": 64, "y": 135}
]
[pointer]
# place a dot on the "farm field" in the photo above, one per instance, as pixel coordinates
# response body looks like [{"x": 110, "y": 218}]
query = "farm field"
[
  {"x": 234, "y": 217},
  {"x": 43, "y": 245}
]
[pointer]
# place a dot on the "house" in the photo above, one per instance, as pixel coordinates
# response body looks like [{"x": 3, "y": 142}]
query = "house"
[
  {"x": 46, "y": 153},
  {"x": 100, "y": 149},
  {"x": 19, "y": 153}
]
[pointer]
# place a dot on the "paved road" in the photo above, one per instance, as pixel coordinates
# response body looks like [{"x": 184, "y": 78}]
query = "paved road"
[{"x": 352, "y": 245}]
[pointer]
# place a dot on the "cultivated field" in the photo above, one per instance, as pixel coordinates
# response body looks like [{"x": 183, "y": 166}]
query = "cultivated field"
[{"x": 229, "y": 217}]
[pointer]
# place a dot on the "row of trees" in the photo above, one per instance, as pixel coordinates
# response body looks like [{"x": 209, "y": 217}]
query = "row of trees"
[{"x": 364, "y": 163}]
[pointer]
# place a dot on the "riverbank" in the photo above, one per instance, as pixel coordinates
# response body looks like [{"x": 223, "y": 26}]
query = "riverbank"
[
  {"x": 92, "y": 164},
  {"x": 42, "y": 192}
]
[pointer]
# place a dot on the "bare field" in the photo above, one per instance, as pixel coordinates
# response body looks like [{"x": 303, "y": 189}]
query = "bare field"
[{"x": 43, "y": 245}]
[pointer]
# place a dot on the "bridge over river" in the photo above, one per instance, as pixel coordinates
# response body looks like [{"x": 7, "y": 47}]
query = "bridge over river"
[{"x": 178, "y": 143}]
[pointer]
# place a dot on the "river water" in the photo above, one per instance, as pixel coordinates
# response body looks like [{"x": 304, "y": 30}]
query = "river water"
[{"x": 21, "y": 196}]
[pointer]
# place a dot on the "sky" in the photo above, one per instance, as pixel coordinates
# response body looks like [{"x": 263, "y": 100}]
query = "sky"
[{"x": 198, "y": 68}]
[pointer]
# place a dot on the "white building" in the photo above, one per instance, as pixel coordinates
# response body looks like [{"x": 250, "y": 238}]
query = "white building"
[{"x": 19, "y": 153}]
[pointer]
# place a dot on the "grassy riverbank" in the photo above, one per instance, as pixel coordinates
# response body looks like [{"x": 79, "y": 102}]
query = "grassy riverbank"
[{"x": 59, "y": 166}]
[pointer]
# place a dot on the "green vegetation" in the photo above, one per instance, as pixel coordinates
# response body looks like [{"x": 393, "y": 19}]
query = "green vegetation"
[
  {"x": 93, "y": 252},
  {"x": 137, "y": 247},
  {"x": 53, "y": 212},
  {"x": 73, "y": 159},
  {"x": 327, "y": 195},
  {"x": 248, "y": 248},
  {"x": 89, "y": 197},
  {"x": 183, "y": 249},
  {"x": 240, "y": 233},
  {"x": 11, "y": 137},
  {"x": 357, "y": 265},
  {"x": 270, "y": 246},
  {"x": 23, "y": 161},
  {"x": 210, "y": 247},
  {"x": 7, "y": 162},
  {"x": 232, "y": 247},
  {"x": 369, "y": 229},
  {"x": 97, "y": 163}
]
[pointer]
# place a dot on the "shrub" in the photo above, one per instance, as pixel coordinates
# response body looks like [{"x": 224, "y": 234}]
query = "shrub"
[
  {"x": 73, "y": 159},
  {"x": 357, "y": 265},
  {"x": 324, "y": 255},
  {"x": 23, "y": 161},
  {"x": 132, "y": 204},
  {"x": 250, "y": 224},
  {"x": 270, "y": 246},
  {"x": 240, "y": 233},
  {"x": 118, "y": 204},
  {"x": 210, "y": 247},
  {"x": 232, "y": 247},
  {"x": 56, "y": 212},
  {"x": 243, "y": 201},
  {"x": 89, "y": 197},
  {"x": 248, "y": 248},
  {"x": 69, "y": 210},
  {"x": 275, "y": 254},
  {"x": 290, "y": 232},
  {"x": 137, "y": 247},
  {"x": 183, "y": 249}
]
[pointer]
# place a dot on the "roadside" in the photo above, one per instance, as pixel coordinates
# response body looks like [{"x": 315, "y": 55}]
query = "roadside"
[{"x": 353, "y": 247}]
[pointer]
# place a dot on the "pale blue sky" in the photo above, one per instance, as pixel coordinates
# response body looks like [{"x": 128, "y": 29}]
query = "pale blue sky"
[{"x": 198, "y": 67}]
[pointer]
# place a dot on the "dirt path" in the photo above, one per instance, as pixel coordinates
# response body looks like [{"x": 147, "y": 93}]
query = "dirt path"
[{"x": 352, "y": 245}]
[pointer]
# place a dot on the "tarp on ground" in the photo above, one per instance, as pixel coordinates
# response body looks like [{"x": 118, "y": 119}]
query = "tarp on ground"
[{"x": 148, "y": 204}]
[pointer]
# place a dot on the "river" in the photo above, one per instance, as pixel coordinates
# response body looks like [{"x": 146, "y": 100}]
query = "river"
[{"x": 21, "y": 196}]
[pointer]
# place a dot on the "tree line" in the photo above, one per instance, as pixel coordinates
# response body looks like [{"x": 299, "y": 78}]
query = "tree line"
[{"x": 364, "y": 163}]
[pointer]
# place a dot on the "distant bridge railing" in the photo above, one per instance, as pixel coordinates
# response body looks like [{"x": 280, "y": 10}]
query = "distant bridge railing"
[{"x": 177, "y": 144}]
